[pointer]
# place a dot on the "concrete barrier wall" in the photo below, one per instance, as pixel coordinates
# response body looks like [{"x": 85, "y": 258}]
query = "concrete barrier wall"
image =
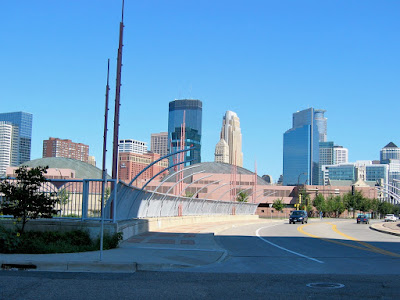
[{"x": 129, "y": 228}]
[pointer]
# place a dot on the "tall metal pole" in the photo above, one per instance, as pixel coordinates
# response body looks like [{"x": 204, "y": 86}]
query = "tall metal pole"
[
  {"x": 104, "y": 162},
  {"x": 117, "y": 98}
]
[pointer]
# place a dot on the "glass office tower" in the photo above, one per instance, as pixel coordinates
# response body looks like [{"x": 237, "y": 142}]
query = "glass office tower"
[
  {"x": 301, "y": 150},
  {"x": 22, "y": 123},
  {"x": 192, "y": 109}
]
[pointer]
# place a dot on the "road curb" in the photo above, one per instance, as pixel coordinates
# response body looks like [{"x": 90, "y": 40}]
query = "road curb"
[
  {"x": 387, "y": 231},
  {"x": 72, "y": 266}
]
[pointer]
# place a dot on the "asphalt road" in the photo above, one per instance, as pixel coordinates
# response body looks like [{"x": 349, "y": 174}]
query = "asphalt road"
[
  {"x": 22, "y": 285},
  {"x": 319, "y": 260},
  {"x": 319, "y": 247}
]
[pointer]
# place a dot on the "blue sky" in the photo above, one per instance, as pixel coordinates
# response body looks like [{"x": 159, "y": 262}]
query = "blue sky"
[{"x": 263, "y": 60}]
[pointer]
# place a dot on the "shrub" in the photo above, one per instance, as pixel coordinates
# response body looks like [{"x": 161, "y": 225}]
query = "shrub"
[
  {"x": 23, "y": 198},
  {"x": 36, "y": 242}
]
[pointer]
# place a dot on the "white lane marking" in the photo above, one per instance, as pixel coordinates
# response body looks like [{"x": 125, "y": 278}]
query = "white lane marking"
[{"x": 282, "y": 248}]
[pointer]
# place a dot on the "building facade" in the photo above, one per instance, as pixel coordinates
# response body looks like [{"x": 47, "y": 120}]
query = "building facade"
[
  {"x": 6, "y": 130},
  {"x": 232, "y": 135},
  {"x": 22, "y": 136},
  {"x": 188, "y": 114},
  {"x": 340, "y": 155},
  {"x": 159, "y": 143},
  {"x": 390, "y": 151},
  {"x": 301, "y": 150},
  {"x": 221, "y": 152},
  {"x": 55, "y": 147},
  {"x": 132, "y": 146},
  {"x": 321, "y": 122},
  {"x": 130, "y": 164}
]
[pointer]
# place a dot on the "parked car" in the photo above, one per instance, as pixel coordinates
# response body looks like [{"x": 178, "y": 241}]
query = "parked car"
[
  {"x": 362, "y": 219},
  {"x": 390, "y": 218},
  {"x": 298, "y": 216}
]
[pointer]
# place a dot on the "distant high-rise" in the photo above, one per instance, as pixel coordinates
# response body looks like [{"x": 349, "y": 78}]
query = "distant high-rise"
[
  {"x": 321, "y": 121},
  {"x": 188, "y": 112},
  {"x": 6, "y": 130},
  {"x": 232, "y": 135},
  {"x": 159, "y": 143},
  {"x": 330, "y": 154},
  {"x": 340, "y": 155},
  {"x": 390, "y": 151},
  {"x": 390, "y": 155},
  {"x": 222, "y": 152},
  {"x": 55, "y": 147},
  {"x": 132, "y": 146},
  {"x": 22, "y": 136},
  {"x": 301, "y": 150}
]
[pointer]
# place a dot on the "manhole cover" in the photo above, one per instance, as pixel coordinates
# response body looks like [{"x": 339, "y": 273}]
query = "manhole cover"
[{"x": 325, "y": 285}]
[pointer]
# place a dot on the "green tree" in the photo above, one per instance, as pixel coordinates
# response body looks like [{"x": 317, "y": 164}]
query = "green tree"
[
  {"x": 366, "y": 205},
  {"x": 63, "y": 195},
  {"x": 242, "y": 196},
  {"x": 278, "y": 204},
  {"x": 385, "y": 208},
  {"x": 335, "y": 206},
  {"x": 374, "y": 206},
  {"x": 319, "y": 203},
  {"x": 23, "y": 199},
  {"x": 353, "y": 202},
  {"x": 189, "y": 194}
]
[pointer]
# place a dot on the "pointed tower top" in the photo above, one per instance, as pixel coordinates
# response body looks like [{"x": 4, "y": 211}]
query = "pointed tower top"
[{"x": 390, "y": 145}]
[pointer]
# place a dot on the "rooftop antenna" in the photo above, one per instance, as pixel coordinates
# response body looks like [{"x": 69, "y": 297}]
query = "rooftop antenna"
[{"x": 117, "y": 98}]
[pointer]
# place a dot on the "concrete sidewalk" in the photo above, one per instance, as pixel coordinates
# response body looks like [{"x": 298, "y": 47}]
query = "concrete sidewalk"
[
  {"x": 174, "y": 247},
  {"x": 387, "y": 227}
]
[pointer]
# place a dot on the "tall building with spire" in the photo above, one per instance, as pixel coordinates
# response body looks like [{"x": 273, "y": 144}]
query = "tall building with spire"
[{"x": 231, "y": 140}]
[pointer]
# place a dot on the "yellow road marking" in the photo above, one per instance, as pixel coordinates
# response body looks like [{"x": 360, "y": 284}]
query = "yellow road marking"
[{"x": 366, "y": 246}]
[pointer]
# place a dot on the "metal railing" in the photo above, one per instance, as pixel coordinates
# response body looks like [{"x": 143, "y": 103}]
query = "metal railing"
[
  {"x": 81, "y": 199},
  {"x": 78, "y": 199},
  {"x": 133, "y": 203}
]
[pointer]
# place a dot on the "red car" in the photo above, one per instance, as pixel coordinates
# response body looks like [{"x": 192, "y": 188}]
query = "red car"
[{"x": 362, "y": 219}]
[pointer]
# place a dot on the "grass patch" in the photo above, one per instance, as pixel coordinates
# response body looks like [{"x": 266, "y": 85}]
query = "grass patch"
[{"x": 37, "y": 242}]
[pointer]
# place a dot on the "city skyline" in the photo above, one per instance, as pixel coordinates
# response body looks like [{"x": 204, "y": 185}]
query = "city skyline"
[{"x": 262, "y": 60}]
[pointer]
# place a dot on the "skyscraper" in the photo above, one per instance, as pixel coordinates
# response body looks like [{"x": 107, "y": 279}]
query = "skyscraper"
[
  {"x": 301, "y": 150},
  {"x": 22, "y": 126},
  {"x": 321, "y": 124},
  {"x": 159, "y": 143},
  {"x": 189, "y": 113},
  {"x": 232, "y": 135}
]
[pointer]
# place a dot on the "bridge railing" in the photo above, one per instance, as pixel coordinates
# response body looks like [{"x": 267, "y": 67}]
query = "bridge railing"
[
  {"x": 133, "y": 203},
  {"x": 79, "y": 199}
]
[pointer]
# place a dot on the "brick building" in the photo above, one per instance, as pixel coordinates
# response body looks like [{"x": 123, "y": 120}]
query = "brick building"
[
  {"x": 55, "y": 147},
  {"x": 130, "y": 164}
]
